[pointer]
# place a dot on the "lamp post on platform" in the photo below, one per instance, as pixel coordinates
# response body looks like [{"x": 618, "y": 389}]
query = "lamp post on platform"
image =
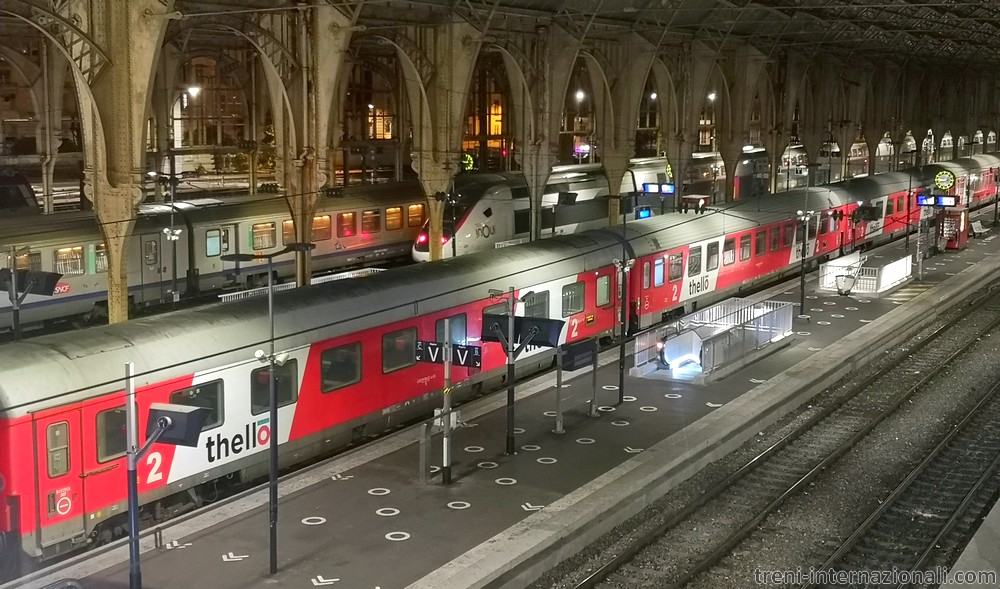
[
  {"x": 804, "y": 222},
  {"x": 271, "y": 361}
]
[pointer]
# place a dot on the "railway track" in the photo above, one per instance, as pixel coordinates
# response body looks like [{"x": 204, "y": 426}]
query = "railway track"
[
  {"x": 932, "y": 508},
  {"x": 692, "y": 540}
]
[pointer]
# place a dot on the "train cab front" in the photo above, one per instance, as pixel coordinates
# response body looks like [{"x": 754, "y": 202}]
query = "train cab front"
[{"x": 422, "y": 244}]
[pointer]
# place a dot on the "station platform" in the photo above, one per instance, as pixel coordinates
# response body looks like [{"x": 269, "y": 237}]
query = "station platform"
[{"x": 365, "y": 520}]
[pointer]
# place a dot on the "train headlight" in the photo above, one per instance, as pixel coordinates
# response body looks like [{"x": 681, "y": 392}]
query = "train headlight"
[
  {"x": 444, "y": 240},
  {"x": 422, "y": 239}
]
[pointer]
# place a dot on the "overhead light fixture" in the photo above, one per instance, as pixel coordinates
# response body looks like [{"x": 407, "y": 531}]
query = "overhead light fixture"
[
  {"x": 711, "y": 96},
  {"x": 194, "y": 91}
]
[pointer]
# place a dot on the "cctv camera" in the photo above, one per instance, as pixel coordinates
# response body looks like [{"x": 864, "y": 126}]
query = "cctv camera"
[
  {"x": 258, "y": 354},
  {"x": 281, "y": 358}
]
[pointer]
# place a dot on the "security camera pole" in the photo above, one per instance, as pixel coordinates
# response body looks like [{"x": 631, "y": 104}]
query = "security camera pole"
[
  {"x": 508, "y": 347},
  {"x": 272, "y": 485}
]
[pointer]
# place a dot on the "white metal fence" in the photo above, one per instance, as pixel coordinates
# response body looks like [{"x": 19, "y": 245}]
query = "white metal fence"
[
  {"x": 256, "y": 292},
  {"x": 867, "y": 279}
]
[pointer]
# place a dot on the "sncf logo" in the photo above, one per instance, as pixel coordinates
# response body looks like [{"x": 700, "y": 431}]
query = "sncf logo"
[
  {"x": 254, "y": 435},
  {"x": 61, "y": 288}
]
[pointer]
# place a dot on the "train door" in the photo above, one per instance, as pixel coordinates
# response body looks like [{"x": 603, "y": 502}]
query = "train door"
[
  {"x": 104, "y": 438},
  {"x": 153, "y": 266},
  {"x": 60, "y": 484},
  {"x": 229, "y": 243}
]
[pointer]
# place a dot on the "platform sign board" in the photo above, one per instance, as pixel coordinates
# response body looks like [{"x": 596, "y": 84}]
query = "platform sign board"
[
  {"x": 928, "y": 200},
  {"x": 433, "y": 352},
  {"x": 468, "y": 356}
]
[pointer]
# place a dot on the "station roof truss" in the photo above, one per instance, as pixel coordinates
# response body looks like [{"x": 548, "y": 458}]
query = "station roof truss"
[{"x": 960, "y": 34}]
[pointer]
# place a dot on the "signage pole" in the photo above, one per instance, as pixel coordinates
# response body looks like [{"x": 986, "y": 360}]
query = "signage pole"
[
  {"x": 132, "y": 427},
  {"x": 511, "y": 306},
  {"x": 559, "y": 416},
  {"x": 446, "y": 407}
]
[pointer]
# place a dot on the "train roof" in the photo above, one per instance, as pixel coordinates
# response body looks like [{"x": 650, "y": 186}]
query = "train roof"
[{"x": 52, "y": 370}]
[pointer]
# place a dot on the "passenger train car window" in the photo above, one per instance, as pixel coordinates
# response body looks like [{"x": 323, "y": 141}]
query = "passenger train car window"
[
  {"x": 604, "y": 290},
  {"x": 537, "y": 304},
  {"x": 646, "y": 274},
  {"x": 225, "y": 240},
  {"x": 286, "y": 386},
  {"x": 68, "y": 260},
  {"x": 209, "y": 397},
  {"x": 101, "y": 258},
  {"x": 151, "y": 252},
  {"x": 415, "y": 215},
  {"x": 775, "y": 239},
  {"x": 371, "y": 221},
  {"x": 694, "y": 261},
  {"x": 787, "y": 234},
  {"x": 27, "y": 261},
  {"x": 340, "y": 367},
  {"x": 889, "y": 206},
  {"x": 213, "y": 243},
  {"x": 760, "y": 248},
  {"x": 399, "y": 349},
  {"x": 713, "y": 256},
  {"x": 322, "y": 228},
  {"x": 572, "y": 298},
  {"x": 393, "y": 218},
  {"x": 287, "y": 232},
  {"x": 57, "y": 447},
  {"x": 458, "y": 327},
  {"x": 264, "y": 235},
  {"x": 811, "y": 226},
  {"x": 675, "y": 267},
  {"x": 729, "y": 252},
  {"x": 111, "y": 434},
  {"x": 658, "y": 272},
  {"x": 347, "y": 225},
  {"x": 744, "y": 247}
]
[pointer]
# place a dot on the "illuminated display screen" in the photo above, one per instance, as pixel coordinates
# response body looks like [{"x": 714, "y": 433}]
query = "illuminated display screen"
[
  {"x": 651, "y": 187},
  {"x": 667, "y": 188},
  {"x": 947, "y": 201},
  {"x": 925, "y": 200}
]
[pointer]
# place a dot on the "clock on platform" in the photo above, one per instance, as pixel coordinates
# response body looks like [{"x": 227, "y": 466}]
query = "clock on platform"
[{"x": 944, "y": 180}]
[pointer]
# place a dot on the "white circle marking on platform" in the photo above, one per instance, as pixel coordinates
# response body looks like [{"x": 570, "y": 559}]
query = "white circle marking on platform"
[
  {"x": 459, "y": 505},
  {"x": 387, "y": 511},
  {"x": 851, "y": 308},
  {"x": 606, "y": 408},
  {"x": 804, "y": 316},
  {"x": 585, "y": 441},
  {"x": 865, "y": 320},
  {"x": 823, "y": 323},
  {"x": 829, "y": 303},
  {"x": 647, "y": 408},
  {"x": 549, "y": 413},
  {"x": 435, "y": 468},
  {"x": 837, "y": 316},
  {"x": 628, "y": 398},
  {"x": 816, "y": 310},
  {"x": 619, "y": 423},
  {"x": 487, "y": 465},
  {"x": 314, "y": 520},
  {"x": 506, "y": 481},
  {"x": 564, "y": 385},
  {"x": 379, "y": 491},
  {"x": 812, "y": 297},
  {"x": 949, "y": 273},
  {"x": 546, "y": 460},
  {"x": 803, "y": 333},
  {"x": 897, "y": 302},
  {"x": 519, "y": 430},
  {"x": 397, "y": 536},
  {"x": 473, "y": 449},
  {"x": 610, "y": 387},
  {"x": 672, "y": 396},
  {"x": 811, "y": 349},
  {"x": 864, "y": 301},
  {"x": 531, "y": 448}
]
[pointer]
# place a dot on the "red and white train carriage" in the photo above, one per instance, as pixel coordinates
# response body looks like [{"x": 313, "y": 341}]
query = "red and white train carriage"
[{"x": 348, "y": 367}]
